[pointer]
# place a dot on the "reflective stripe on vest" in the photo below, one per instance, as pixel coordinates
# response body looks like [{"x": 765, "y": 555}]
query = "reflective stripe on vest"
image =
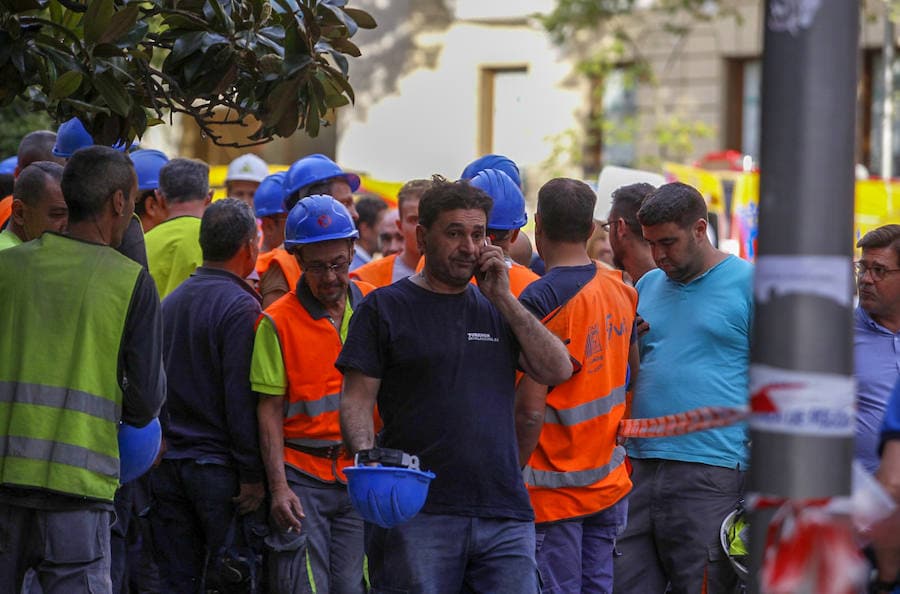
[
  {"x": 312, "y": 401},
  {"x": 577, "y": 469},
  {"x": 587, "y": 411},
  {"x": 60, "y": 399},
  {"x": 579, "y": 478}
]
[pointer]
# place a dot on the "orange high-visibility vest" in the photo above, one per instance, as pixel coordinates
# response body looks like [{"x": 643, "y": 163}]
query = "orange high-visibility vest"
[
  {"x": 519, "y": 278},
  {"x": 5, "y": 209},
  {"x": 288, "y": 264},
  {"x": 577, "y": 469},
  {"x": 378, "y": 273},
  {"x": 309, "y": 348}
]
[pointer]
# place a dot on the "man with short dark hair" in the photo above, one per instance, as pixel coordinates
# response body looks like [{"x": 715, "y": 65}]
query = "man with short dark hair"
[
  {"x": 211, "y": 472},
  {"x": 173, "y": 247},
  {"x": 440, "y": 356},
  {"x": 876, "y": 335},
  {"x": 81, "y": 344},
  {"x": 390, "y": 239},
  {"x": 630, "y": 251},
  {"x": 699, "y": 305},
  {"x": 317, "y": 543},
  {"x": 38, "y": 204},
  {"x": 576, "y": 476},
  {"x": 34, "y": 146},
  {"x": 394, "y": 267},
  {"x": 371, "y": 209}
]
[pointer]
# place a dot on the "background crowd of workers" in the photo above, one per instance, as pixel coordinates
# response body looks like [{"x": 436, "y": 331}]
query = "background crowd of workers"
[{"x": 280, "y": 331}]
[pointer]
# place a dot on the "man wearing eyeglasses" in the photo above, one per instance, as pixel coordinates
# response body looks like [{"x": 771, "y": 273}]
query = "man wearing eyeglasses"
[
  {"x": 317, "y": 542},
  {"x": 876, "y": 336}
]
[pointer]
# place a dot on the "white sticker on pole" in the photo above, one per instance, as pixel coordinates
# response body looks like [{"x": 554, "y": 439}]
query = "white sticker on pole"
[
  {"x": 792, "y": 15},
  {"x": 829, "y": 277},
  {"x": 801, "y": 403}
]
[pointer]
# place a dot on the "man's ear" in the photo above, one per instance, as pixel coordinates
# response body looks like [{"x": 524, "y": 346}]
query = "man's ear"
[
  {"x": 118, "y": 203},
  {"x": 18, "y": 212},
  {"x": 420, "y": 238},
  {"x": 700, "y": 228},
  {"x": 538, "y": 224}
]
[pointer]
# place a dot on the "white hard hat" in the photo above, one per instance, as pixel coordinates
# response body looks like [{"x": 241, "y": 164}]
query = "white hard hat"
[{"x": 247, "y": 167}]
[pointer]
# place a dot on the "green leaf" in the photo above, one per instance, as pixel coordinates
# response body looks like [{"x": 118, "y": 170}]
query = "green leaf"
[
  {"x": 361, "y": 17},
  {"x": 287, "y": 124},
  {"x": 66, "y": 84},
  {"x": 97, "y": 19},
  {"x": 279, "y": 101},
  {"x": 113, "y": 93},
  {"x": 107, "y": 50},
  {"x": 346, "y": 46},
  {"x": 121, "y": 23}
]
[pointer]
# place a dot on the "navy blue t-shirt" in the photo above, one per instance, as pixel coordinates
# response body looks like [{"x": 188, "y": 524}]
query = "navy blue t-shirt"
[
  {"x": 556, "y": 287},
  {"x": 447, "y": 367}
]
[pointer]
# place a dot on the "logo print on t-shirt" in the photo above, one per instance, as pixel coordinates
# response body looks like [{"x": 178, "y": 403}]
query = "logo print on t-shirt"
[{"x": 481, "y": 337}]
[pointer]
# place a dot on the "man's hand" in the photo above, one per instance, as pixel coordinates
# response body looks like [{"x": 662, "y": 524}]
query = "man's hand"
[
  {"x": 249, "y": 497},
  {"x": 492, "y": 272},
  {"x": 643, "y": 326},
  {"x": 286, "y": 509}
]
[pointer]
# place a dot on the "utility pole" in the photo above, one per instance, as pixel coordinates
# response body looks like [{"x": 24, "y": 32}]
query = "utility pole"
[
  {"x": 802, "y": 360},
  {"x": 887, "y": 102}
]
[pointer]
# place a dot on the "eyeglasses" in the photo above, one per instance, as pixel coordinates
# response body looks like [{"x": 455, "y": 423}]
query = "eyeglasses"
[
  {"x": 496, "y": 235},
  {"x": 605, "y": 226},
  {"x": 877, "y": 271},
  {"x": 321, "y": 269}
]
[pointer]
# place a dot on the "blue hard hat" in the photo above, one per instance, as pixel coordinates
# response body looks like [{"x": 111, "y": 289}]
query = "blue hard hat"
[
  {"x": 8, "y": 165},
  {"x": 147, "y": 163},
  {"x": 72, "y": 135},
  {"x": 504, "y": 164},
  {"x": 316, "y": 168},
  {"x": 508, "y": 211},
  {"x": 318, "y": 218},
  {"x": 269, "y": 196},
  {"x": 388, "y": 495},
  {"x": 138, "y": 448}
]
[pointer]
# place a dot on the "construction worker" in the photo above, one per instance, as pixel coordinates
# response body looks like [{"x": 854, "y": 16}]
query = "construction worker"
[
  {"x": 371, "y": 210},
  {"x": 173, "y": 246},
  {"x": 507, "y": 218},
  {"x": 886, "y": 536},
  {"x": 439, "y": 355},
  {"x": 317, "y": 543},
  {"x": 699, "y": 306},
  {"x": 312, "y": 175},
  {"x": 211, "y": 472},
  {"x": 244, "y": 176},
  {"x": 631, "y": 252},
  {"x": 390, "y": 269},
  {"x": 277, "y": 269},
  {"x": 390, "y": 239},
  {"x": 38, "y": 204},
  {"x": 82, "y": 344},
  {"x": 150, "y": 206},
  {"x": 34, "y": 146},
  {"x": 576, "y": 475},
  {"x": 317, "y": 174}
]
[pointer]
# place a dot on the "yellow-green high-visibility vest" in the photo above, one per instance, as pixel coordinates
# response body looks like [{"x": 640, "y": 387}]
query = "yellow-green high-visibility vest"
[
  {"x": 63, "y": 305},
  {"x": 173, "y": 252}
]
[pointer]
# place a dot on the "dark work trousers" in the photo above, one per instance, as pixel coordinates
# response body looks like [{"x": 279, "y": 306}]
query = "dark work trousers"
[
  {"x": 190, "y": 519},
  {"x": 68, "y": 550},
  {"x": 675, "y": 512},
  {"x": 133, "y": 566}
]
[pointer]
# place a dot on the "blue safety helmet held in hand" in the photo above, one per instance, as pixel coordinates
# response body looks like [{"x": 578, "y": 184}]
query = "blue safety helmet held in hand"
[
  {"x": 138, "y": 448},
  {"x": 147, "y": 163},
  {"x": 8, "y": 165},
  {"x": 316, "y": 168},
  {"x": 318, "y": 218},
  {"x": 504, "y": 164},
  {"x": 72, "y": 135},
  {"x": 269, "y": 196},
  {"x": 389, "y": 494},
  {"x": 508, "y": 211}
]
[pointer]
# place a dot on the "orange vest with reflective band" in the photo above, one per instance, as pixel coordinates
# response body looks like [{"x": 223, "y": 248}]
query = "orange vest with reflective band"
[
  {"x": 577, "y": 469},
  {"x": 309, "y": 347},
  {"x": 288, "y": 264},
  {"x": 5, "y": 209},
  {"x": 378, "y": 273}
]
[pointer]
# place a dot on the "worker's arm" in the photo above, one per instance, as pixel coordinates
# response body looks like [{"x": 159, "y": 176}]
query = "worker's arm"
[
  {"x": 543, "y": 356},
  {"x": 141, "y": 372},
  {"x": 273, "y": 285},
  {"x": 286, "y": 509},
  {"x": 357, "y": 406},
  {"x": 531, "y": 402},
  {"x": 634, "y": 363}
]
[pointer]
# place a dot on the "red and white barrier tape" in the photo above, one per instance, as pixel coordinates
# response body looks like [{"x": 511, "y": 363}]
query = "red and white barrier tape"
[{"x": 699, "y": 419}]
